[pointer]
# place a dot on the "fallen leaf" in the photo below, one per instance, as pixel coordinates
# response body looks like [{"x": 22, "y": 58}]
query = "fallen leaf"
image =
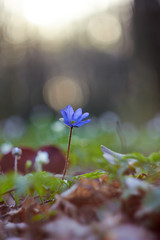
[
  {"x": 65, "y": 228},
  {"x": 56, "y": 164}
]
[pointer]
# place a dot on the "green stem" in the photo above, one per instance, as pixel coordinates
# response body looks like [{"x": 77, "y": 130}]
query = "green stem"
[
  {"x": 67, "y": 158},
  {"x": 121, "y": 137},
  {"x": 15, "y": 163}
]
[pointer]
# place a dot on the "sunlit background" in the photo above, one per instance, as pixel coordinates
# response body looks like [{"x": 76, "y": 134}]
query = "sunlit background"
[{"x": 102, "y": 55}]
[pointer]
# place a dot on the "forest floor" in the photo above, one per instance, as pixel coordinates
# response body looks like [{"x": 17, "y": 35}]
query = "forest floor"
[{"x": 91, "y": 209}]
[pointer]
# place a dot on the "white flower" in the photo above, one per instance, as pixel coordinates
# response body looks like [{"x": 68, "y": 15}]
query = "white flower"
[
  {"x": 134, "y": 184},
  {"x": 112, "y": 157},
  {"x": 41, "y": 158},
  {"x": 57, "y": 126},
  {"x": 6, "y": 148}
]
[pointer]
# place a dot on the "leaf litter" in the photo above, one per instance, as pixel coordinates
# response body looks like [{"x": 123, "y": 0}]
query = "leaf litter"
[
  {"x": 90, "y": 209},
  {"x": 122, "y": 203}
]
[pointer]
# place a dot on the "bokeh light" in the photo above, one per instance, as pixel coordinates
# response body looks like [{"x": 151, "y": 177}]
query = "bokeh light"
[
  {"x": 95, "y": 47},
  {"x": 104, "y": 30},
  {"x": 61, "y": 11},
  {"x": 61, "y": 91},
  {"x": 16, "y": 32}
]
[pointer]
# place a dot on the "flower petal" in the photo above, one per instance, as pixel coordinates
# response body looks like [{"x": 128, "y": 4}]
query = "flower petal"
[
  {"x": 109, "y": 158},
  {"x": 112, "y": 153},
  {"x": 69, "y": 111},
  {"x": 77, "y": 114},
  {"x": 84, "y": 115},
  {"x": 107, "y": 152},
  {"x": 74, "y": 119},
  {"x": 64, "y": 115},
  {"x": 79, "y": 124}
]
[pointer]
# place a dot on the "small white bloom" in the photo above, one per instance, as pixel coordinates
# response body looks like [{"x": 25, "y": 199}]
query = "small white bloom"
[
  {"x": 65, "y": 181},
  {"x": 6, "y": 148},
  {"x": 134, "y": 184},
  {"x": 58, "y": 126},
  {"x": 111, "y": 156},
  {"x": 41, "y": 158},
  {"x": 133, "y": 187}
]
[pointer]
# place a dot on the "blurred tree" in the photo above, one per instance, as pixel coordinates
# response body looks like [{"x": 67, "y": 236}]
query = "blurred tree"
[
  {"x": 146, "y": 20},
  {"x": 146, "y": 34},
  {"x": 125, "y": 81}
]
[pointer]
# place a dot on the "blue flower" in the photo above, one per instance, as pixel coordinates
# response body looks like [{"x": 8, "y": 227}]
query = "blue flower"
[{"x": 74, "y": 119}]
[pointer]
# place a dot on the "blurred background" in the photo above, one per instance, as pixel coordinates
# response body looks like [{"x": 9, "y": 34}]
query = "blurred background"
[{"x": 102, "y": 55}]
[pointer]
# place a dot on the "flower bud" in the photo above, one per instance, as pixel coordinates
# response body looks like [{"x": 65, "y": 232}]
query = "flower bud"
[
  {"x": 28, "y": 164},
  {"x": 16, "y": 151}
]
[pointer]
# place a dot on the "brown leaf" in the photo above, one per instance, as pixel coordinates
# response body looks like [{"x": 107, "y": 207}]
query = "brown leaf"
[
  {"x": 56, "y": 164},
  {"x": 90, "y": 192},
  {"x": 15, "y": 238},
  {"x": 65, "y": 228},
  {"x": 25, "y": 213},
  {"x": 3, "y": 208},
  {"x": 9, "y": 199},
  {"x": 2, "y": 230},
  {"x": 131, "y": 205},
  {"x": 84, "y": 214},
  {"x": 16, "y": 229},
  {"x": 57, "y": 159},
  {"x": 7, "y": 161},
  {"x": 129, "y": 232}
]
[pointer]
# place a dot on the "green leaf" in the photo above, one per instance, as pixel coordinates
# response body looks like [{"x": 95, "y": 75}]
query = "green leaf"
[
  {"x": 7, "y": 182},
  {"x": 154, "y": 157},
  {"x": 91, "y": 175}
]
